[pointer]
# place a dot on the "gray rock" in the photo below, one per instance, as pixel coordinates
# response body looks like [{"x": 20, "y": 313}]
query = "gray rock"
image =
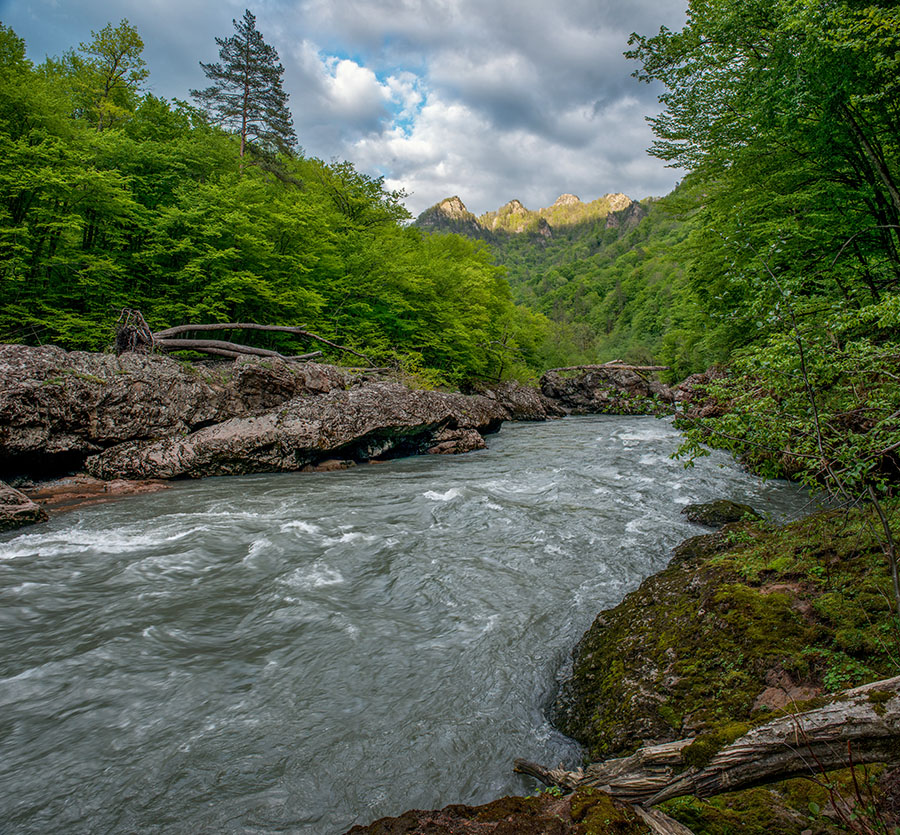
[
  {"x": 377, "y": 421},
  {"x": 17, "y": 510},
  {"x": 58, "y": 403},
  {"x": 718, "y": 513},
  {"x": 521, "y": 402},
  {"x": 614, "y": 391}
]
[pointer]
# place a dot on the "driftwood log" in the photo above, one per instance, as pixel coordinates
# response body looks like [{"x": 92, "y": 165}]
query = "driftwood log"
[
  {"x": 612, "y": 365},
  {"x": 134, "y": 334},
  {"x": 855, "y": 727}
]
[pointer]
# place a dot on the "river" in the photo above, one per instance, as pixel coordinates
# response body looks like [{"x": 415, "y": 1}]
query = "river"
[{"x": 302, "y": 652}]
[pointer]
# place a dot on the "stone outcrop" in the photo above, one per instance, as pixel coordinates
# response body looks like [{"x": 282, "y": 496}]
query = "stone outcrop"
[
  {"x": 692, "y": 395},
  {"x": 522, "y": 402},
  {"x": 377, "y": 421},
  {"x": 585, "y": 812},
  {"x": 64, "y": 405},
  {"x": 17, "y": 510},
  {"x": 606, "y": 390},
  {"x": 139, "y": 417},
  {"x": 76, "y": 491}
]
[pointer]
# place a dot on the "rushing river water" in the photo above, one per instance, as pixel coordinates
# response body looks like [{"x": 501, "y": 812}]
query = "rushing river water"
[{"x": 302, "y": 652}]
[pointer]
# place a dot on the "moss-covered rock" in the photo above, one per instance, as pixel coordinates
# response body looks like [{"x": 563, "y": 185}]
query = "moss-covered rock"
[
  {"x": 740, "y": 623},
  {"x": 743, "y": 623},
  {"x": 585, "y": 812},
  {"x": 718, "y": 513}
]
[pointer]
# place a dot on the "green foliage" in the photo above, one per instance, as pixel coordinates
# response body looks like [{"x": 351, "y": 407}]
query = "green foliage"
[
  {"x": 150, "y": 212},
  {"x": 246, "y": 95},
  {"x": 786, "y": 114},
  {"x": 611, "y": 280}
]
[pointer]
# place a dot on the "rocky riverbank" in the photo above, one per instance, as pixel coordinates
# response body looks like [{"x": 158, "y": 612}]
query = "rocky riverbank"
[
  {"x": 743, "y": 623},
  {"x": 119, "y": 425}
]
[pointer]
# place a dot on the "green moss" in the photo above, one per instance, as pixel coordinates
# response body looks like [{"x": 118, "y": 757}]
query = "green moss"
[
  {"x": 702, "y": 750},
  {"x": 596, "y": 813},
  {"x": 878, "y": 699},
  {"x": 691, "y": 651}
]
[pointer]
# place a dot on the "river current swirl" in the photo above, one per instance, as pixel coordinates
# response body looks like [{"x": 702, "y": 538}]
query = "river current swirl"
[{"x": 302, "y": 652}]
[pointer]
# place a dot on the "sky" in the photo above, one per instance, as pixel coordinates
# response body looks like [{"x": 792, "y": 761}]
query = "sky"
[{"x": 489, "y": 100}]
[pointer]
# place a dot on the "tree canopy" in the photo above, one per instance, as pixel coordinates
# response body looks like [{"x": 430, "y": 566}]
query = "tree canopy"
[
  {"x": 246, "y": 95},
  {"x": 151, "y": 213},
  {"x": 786, "y": 114}
]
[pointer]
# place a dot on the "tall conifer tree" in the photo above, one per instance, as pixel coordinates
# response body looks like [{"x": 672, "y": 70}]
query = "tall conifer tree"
[{"x": 246, "y": 95}]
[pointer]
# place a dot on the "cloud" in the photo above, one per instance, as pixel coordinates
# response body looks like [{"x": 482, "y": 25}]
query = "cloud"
[{"x": 490, "y": 100}]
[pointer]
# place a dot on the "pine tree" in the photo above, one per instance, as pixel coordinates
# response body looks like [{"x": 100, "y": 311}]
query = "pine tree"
[{"x": 246, "y": 95}]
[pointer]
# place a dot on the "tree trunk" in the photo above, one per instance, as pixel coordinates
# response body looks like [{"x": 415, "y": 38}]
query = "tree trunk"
[{"x": 856, "y": 727}]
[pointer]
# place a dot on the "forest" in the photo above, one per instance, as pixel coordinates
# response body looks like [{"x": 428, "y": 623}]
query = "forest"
[{"x": 113, "y": 198}]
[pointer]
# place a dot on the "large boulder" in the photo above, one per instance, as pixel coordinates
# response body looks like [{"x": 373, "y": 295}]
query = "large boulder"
[
  {"x": 377, "y": 421},
  {"x": 61, "y": 406},
  {"x": 693, "y": 397},
  {"x": 606, "y": 390},
  {"x": 17, "y": 510},
  {"x": 522, "y": 402}
]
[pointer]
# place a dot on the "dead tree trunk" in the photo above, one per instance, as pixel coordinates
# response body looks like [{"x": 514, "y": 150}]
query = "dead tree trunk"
[
  {"x": 856, "y": 727},
  {"x": 133, "y": 334}
]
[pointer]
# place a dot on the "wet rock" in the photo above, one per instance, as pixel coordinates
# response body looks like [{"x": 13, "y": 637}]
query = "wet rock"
[
  {"x": 57, "y": 407},
  {"x": 650, "y": 669},
  {"x": 718, "y": 513},
  {"x": 80, "y": 489},
  {"x": 456, "y": 441},
  {"x": 584, "y": 812},
  {"x": 613, "y": 391},
  {"x": 377, "y": 421},
  {"x": 522, "y": 402},
  {"x": 17, "y": 510},
  {"x": 329, "y": 465}
]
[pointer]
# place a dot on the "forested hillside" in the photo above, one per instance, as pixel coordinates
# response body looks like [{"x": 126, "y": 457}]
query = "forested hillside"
[
  {"x": 609, "y": 274},
  {"x": 111, "y": 198},
  {"x": 788, "y": 117}
]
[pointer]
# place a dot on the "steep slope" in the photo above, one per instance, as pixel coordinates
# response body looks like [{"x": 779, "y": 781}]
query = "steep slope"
[{"x": 609, "y": 273}]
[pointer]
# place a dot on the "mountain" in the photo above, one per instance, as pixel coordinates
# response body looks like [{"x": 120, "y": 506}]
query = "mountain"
[
  {"x": 568, "y": 212},
  {"x": 608, "y": 273}
]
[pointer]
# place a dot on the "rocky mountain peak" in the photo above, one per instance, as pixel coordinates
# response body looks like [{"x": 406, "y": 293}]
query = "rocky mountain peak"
[
  {"x": 453, "y": 207},
  {"x": 617, "y": 202},
  {"x": 514, "y": 207},
  {"x": 567, "y": 200}
]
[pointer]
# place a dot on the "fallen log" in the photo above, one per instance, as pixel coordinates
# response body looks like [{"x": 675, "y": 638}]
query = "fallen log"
[
  {"x": 223, "y": 348},
  {"x": 855, "y": 727},
  {"x": 169, "y": 333},
  {"x": 134, "y": 334},
  {"x": 616, "y": 365}
]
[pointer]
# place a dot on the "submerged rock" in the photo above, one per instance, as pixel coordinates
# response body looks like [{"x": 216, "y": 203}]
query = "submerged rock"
[
  {"x": 377, "y": 421},
  {"x": 17, "y": 510},
  {"x": 606, "y": 390},
  {"x": 718, "y": 513},
  {"x": 79, "y": 490}
]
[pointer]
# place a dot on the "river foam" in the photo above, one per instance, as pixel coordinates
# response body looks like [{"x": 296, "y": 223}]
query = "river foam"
[{"x": 300, "y": 652}]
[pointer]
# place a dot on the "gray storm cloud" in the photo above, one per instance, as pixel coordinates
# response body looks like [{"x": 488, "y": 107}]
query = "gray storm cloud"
[{"x": 491, "y": 100}]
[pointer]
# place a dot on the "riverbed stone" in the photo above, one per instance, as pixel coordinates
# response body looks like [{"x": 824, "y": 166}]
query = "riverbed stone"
[
  {"x": 522, "y": 402},
  {"x": 378, "y": 421},
  {"x": 719, "y": 512},
  {"x": 17, "y": 510},
  {"x": 606, "y": 390}
]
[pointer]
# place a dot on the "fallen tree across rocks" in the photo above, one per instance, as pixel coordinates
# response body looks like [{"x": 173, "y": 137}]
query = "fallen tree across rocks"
[
  {"x": 134, "y": 334},
  {"x": 854, "y": 727}
]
